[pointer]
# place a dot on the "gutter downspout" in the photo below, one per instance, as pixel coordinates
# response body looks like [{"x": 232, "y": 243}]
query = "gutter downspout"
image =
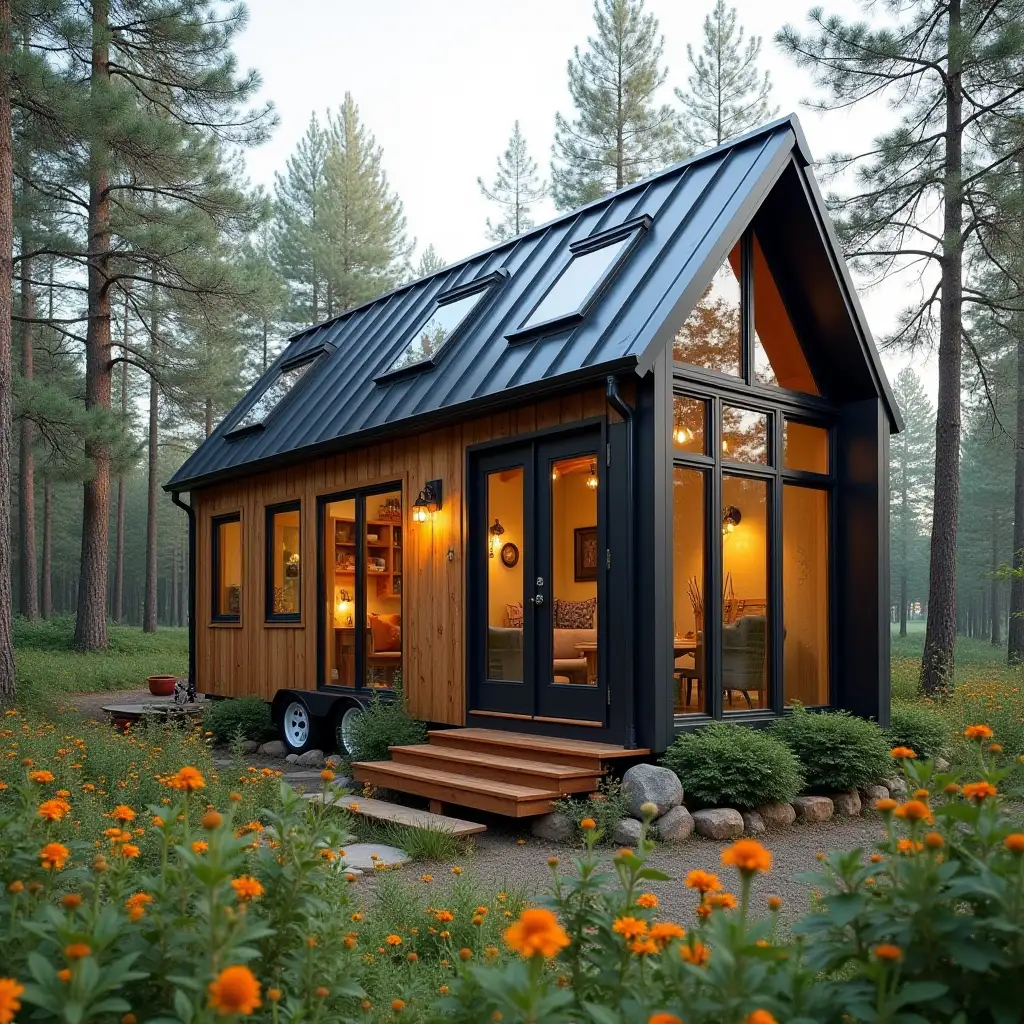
[
  {"x": 191, "y": 513},
  {"x": 616, "y": 401}
]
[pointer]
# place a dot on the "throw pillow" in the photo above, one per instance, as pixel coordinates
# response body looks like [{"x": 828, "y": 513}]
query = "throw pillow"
[
  {"x": 514, "y": 615},
  {"x": 575, "y": 614},
  {"x": 386, "y": 633}
]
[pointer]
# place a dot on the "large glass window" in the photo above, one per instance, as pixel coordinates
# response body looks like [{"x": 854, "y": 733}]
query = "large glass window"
[
  {"x": 805, "y": 598},
  {"x": 712, "y": 336},
  {"x": 745, "y": 562},
  {"x": 383, "y": 560},
  {"x": 805, "y": 447},
  {"x": 689, "y": 511},
  {"x": 284, "y": 564},
  {"x": 689, "y": 419},
  {"x": 505, "y": 583},
  {"x": 430, "y": 336},
  {"x": 744, "y": 435},
  {"x": 227, "y": 568},
  {"x": 272, "y": 396}
]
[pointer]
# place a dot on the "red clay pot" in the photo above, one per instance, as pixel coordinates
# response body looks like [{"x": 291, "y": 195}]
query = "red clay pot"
[{"x": 161, "y": 686}]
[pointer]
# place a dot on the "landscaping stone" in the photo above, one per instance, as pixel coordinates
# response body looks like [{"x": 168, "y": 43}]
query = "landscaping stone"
[
  {"x": 753, "y": 823},
  {"x": 555, "y": 827},
  {"x": 249, "y": 746},
  {"x": 897, "y": 787},
  {"x": 311, "y": 759},
  {"x": 674, "y": 826},
  {"x": 869, "y": 794},
  {"x": 363, "y": 856},
  {"x": 813, "y": 808},
  {"x": 272, "y": 748},
  {"x": 777, "y": 814},
  {"x": 941, "y": 764},
  {"x": 292, "y": 758},
  {"x": 650, "y": 783},
  {"x": 846, "y": 803},
  {"x": 718, "y": 823},
  {"x": 626, "y": 832}
]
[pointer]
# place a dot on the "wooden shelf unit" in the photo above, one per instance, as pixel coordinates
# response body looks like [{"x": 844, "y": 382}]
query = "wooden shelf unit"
[{"x": 384, "y": 550}]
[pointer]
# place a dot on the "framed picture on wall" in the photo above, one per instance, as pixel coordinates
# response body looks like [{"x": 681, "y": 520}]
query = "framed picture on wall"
[{"x": 585, "y": 562}]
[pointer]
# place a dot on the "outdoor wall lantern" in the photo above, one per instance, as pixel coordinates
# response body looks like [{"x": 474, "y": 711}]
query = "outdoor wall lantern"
[
  {"x": 731, "y": 517},
  {"x": 496, "y": 532},
  {"x": 592, "y": 478},
  {"x": 428, "y": 500}
]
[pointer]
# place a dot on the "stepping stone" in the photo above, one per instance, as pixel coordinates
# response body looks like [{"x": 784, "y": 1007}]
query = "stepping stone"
[
  {"x": 381, "y": 810},
  {"x": 361, "y": 856}
]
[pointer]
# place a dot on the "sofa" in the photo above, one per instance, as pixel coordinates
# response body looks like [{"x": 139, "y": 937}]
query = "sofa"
[{"x": 505, "y": 653}]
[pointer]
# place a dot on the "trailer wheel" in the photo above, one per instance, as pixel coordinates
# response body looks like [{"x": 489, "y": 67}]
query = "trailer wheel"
[
  {"x": 346, "y": 714},
  {"x": 300, "y": 728}
]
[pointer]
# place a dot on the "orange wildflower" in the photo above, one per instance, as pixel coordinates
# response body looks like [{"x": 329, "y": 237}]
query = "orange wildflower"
[
  {"x": 1014, "y": 842},
  {"x": 130, "y": 850},
  {"x": 71, "y": 901},
  {"x": 979, "y": 790},
  {"x": 629, "y": 927},
  {"x": 664, "y": 1018},
  {"x": 41, "y": 775},
  {"x": 902, "y": 752},
  {"x": 394, "y": 940},
  {"x": 722, "y": 900},
  {"x": 914, "y": 810},
  {"x": 397, "y": 1005},
  {"x": 200, "y": 846},
  {"x": 53, "y": 810},
  {"x": 885, "y": 804},
  {"x": 760, "y": 1017},
  {"x": 64, "y": 974},
  {"x": 78, "y": 951},
  {"x": 647, "y": 900},
  {"x": 211, "y": 820},
  {"x": 53, "y": 856},
  {"x": 234, "y": 990},
  {"x": 748, "y": 856},
  {"x": 888, "y": 951},
  {"x": 444, "y": 916},
  {"x": 588, "y": 824},
  {"x": 909, "y": 846},
  {"x": 978, "y": 732},
  {"x": 123, "y": 813},
  {"x": 697, "y": 954},
  {"x": 644, "y": 947},
  {"x": 246, "y": 888},
  {"x": 10, "y": 1004},
  {"x": 664, "y": 932},
  {"x": 703, "y": 881},
  {"x": 537, "y": 932},
  {"x": 774, "y": 902},
  {"x": 934, "y": 841},
  {"x": 190, "y": 779}
]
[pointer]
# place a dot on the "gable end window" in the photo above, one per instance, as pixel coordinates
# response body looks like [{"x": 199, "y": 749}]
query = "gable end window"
[
  {"x": 284, "y": 562},
  {"x": 226, "y": 552},
  {"x": 591, "y": 265}
]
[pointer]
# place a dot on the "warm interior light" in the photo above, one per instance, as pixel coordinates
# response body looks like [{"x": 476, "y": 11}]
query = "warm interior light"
[
  {"x": 592, "y": 479},
  {"x": 554, "y": 474},
  {"x": 496, "y": 532},
  {"x": 419, "y": 514},
  {"x": 725, "y": 446},
  {"x": 428, "y": 500},
  {"x": 683, "y": 435},
  {"x": 731, "y": 517}
]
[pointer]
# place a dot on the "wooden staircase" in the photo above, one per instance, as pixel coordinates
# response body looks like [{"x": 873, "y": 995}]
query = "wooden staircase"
[{"x": 509, "y": 773}]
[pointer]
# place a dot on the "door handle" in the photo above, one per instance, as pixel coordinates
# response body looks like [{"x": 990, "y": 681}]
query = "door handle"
[{"x": 537, "y": 599}]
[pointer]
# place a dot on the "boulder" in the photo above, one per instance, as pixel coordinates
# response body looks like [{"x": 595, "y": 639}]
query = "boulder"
[
  {"x": 847, "y": 803},
  {"x": 941, "y": 764},
  {"x": 753, "y": 823},
  {"x": 555, "y": 827},
  {"x": 248, "y": 746},
  {"x": 813, "y": 808},
  {"x": 650, "y": 783},
  {"x": 869, "y": 794},
  {"x": 777, "y": 814},
  {"x": 311, "y": 759},
  {"x": 272, "y": 748},
  {"x": 674, "y": 826},
  {"x": 897, "y": 786},
  {"x": 626, "y": 832},
  {"x": 292, "y": 758},
  {"x": 718, "y": 823}
]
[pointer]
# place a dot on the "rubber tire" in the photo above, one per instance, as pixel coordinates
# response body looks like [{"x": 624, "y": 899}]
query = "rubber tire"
[
  {"x": 347, "y": 709},
  {"x": 294, "y": 711}
]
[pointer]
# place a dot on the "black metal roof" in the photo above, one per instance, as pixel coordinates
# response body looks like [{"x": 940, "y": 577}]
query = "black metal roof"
[{"x": 685, "y": 218}]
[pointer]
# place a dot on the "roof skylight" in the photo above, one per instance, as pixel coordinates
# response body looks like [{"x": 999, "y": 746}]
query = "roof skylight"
[
  {"x": 430, "y": 336},
  {"x": 273, "y": 395}
]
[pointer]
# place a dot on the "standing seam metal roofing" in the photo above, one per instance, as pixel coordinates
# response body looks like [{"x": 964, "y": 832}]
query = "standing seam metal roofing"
[{"x": 694, "y": 208}]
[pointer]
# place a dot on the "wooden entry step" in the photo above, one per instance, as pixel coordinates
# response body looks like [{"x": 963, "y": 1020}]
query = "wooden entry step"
[
  {"x": 558, "y": 778},
  {"x": 528, "y": 746},
  {"x": 381, "y": 810}
]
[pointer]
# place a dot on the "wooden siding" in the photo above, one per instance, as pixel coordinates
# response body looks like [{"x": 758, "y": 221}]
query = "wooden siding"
[{"x": 255, "y": 657}]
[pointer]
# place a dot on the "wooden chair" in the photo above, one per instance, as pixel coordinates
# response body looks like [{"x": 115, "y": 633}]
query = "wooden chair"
[
  {"x": 691, "y": 675},
  {"x": 743, "y": 658}
]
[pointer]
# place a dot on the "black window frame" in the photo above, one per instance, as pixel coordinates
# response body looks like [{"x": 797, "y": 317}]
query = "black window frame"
[
  {"x": 270, "y": 511},
  {"x": 632, "y": 230},
  {"x": 216, "y": 522},
  {"x": 488, "y": 284}
]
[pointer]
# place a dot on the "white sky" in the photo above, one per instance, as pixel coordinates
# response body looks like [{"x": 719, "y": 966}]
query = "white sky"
[{"x": 440, "y": 83}]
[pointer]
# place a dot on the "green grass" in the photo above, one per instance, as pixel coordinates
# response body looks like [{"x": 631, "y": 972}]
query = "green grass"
[
  {"x": 433, "y": 844},
  {"x": 46, "y": 662}
]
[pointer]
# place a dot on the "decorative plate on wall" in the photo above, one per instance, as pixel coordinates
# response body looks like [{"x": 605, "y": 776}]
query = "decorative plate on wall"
[{"x": 509, "y": 555}]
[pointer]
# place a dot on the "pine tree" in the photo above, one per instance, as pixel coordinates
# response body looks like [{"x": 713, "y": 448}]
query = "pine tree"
[
  {"x": 619, "y": 133},
  {"x": 363, "y": 249},
  {"x": 516, "y": 187},
  {"x": 6, "y": 382},
  {"x": 298, "y": 229},
  {"x": 952, "y": 71},
  {"x": 429, "y": 261},
  {"x": 910, "y": 486},
  {"x": 727, "y": 93}
]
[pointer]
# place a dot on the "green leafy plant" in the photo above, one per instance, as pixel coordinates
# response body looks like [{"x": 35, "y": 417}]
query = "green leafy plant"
[
  {"x": 837, "y": 750},
  {"x": 420, "y": 843},
  {"x": 734, "y": 766},
  {"x": 245, "y": 717},
  {"x": 606, "y": 806},
  {"x": 921, "y": 728},
  {"x": 384, "y": 723}
]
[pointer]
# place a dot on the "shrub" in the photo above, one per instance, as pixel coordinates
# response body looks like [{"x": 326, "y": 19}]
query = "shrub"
[
  {"x": 734, "y": 766},
  {"x": 605, "y": 807},
  {"x": 837, "y": 750},
  {"x": 248, "y": 717},
  {"x": 384, "y": 723},
  {"x": 921, "y": 728}
]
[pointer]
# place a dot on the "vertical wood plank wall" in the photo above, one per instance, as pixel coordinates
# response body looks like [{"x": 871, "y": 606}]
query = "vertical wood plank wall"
[{"x": 254, "y": 657}]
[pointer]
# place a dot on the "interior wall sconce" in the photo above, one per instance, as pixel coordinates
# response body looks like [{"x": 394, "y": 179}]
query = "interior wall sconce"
[
  {"x": 592, "y": 478},
  {"x": 428, "y": 500},
  {"x": 496, "y": 532},
  {"x": 731, "y": 517}
]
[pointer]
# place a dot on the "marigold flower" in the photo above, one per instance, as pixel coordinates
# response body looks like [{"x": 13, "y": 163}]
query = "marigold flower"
[
  {"x": 130, "y": 850},
  {"x": 921, "y": 794},
  {"x": 465, "y": 954},
  {"x": 129, "y": 1018},
  {"x": 53, "y": 810},
  {"x": 914, "y": 810},
  {"x": 54, "y": 856},
  {"x": 978, "y": 732},
  {"x": 323, "y": 992},
  {"x": 885, "y": 804},
  {"x": 10, "y": 989},
  {"x": 64, "y": 974},
  {"x": 588, "y": 824},
  {"x": 394, "y": 940},
  {"x": 1014, "y": 842},
  {"x": 444, "y": 916},
  {"x": 629, "y": 927},
  {"x": 747, "y": 855},
  {"x": 211, "y": 820},
  {"x": 702, "y": 881},
  {"x": 413, "y": 957},
  {"x": 664, "y": 1018},
  {"x": 17, "y": 886},
  {"x": 663, "y": 932},
  {"x": 78, "y": 951},
  {"x": 774, "y": 902},
  {"x": 123, "y": 813},
  {"x": 697, "y": 954},
  {"x": 200, "y": 846},
  {"x": 426, "y": 878},
  {"x": 456, "y": 870},
  {"x": 553, "y": 862},
  {"x": 934, "y": 841},
  {"x": 722, "y": 900},
  {"x": 979, "y": 790},
  {"x": 274, "y": 995},
  {"x": 327, "y": 775},
  {"x": 909, "y": 846},
  {"x": 903, "y": 752},
  {"x": 41, "y": 775},
  {"x": 644, "y": 947},
  {"x": 189, "y": 779},
  {"x": 234, "y": 990},
  {"x": 246, "y": 888},
  {"x": 760, "y": 1017},
  {"x": 537, "y": 932},
  {"x": 647, "y": 900},
  {"x": 995, "y": 748},
  {"x": 888, "y": 951},
  {"x": 876, "y": 858},
  {"x": 397, "y": 1005},
  {"x": 444, "y": 990},
  {"x": 71, "y": 901}
]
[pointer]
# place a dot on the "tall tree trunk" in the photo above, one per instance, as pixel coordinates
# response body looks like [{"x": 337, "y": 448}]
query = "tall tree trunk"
[
  {"x": 997, "y": 638},
  {"x": 905, "y": 504},
  {"x": 1015, "y": 627},
  {"x": 28, "y": 589},
  {"x": 149, "y": 609},
  {"x": 118, "y": 602},
  {"x": 208, "y": 417},
  {"x": 47, "y": 549},
  {"x": 940, "y": 636},
  {"x": 6, "y": 373}
]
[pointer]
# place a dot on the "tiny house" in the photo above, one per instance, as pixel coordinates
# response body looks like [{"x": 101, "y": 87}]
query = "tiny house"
[{"x": 615, "y": 478}]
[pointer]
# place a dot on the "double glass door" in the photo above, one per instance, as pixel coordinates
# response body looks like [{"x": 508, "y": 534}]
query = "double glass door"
[{"x": 537, "y": 573}]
